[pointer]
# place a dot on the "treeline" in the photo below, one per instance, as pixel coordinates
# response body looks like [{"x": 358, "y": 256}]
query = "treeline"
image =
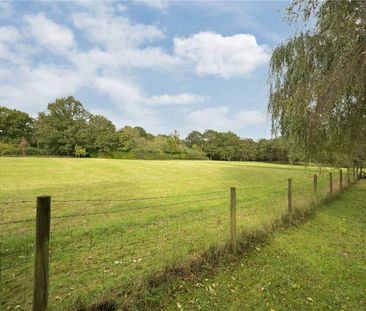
[{"x": 66, "y": 128}]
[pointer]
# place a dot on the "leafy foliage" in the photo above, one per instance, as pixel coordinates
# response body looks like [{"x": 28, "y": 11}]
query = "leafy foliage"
[
  {"x": 317, "y": 82},
  {"x": 14, "y": 125},
  {"x": 62, "y": 126},
  {"x": 66, "y": 128},
  {"x": 79, "y": 151},
  {"x": 102, "y": 136}
]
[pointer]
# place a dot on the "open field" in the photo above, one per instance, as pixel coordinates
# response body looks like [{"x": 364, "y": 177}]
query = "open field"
[
  {"x": 114, "y": 221},
  {"x": 319, "y": 265}
]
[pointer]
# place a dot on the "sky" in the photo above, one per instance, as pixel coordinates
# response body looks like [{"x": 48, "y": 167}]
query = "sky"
[{"x": 163, "y": 65}]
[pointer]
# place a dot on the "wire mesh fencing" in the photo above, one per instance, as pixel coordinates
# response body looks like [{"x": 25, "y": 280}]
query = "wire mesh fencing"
[{"x": 99, "y": 246}]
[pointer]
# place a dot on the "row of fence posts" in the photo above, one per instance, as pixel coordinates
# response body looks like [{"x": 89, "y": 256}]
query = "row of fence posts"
[
  {"x": 233, "y": 240},
  {"x": 43, "y": 221}
]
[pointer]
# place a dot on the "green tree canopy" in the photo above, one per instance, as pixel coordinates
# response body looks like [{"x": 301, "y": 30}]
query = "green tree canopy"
[
  {"x": 62, "y": 126},
  {"x": 173, "y": 144},
  {"x": 129, "y": 137},
  {"x": 318, "y": 81},
  {"x": 102, "y": 136},
  {"x": 194, "y": 138},
  {"x": 15, "y": 125},
  {"x": 67, "y": 128}
]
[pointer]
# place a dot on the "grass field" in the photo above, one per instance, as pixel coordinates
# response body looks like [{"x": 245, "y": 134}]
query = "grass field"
[
  {"x": 114, "y": 221},
  {"x": 319, "y": 265}
]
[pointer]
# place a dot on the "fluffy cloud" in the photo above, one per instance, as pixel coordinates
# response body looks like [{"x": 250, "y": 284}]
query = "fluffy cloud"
[
  {"x": 126, "y": 43},
  {"x": 161, "y": 5},
  {"x": 178, "y": 99},
  {"x": 123, "y": 91},
  {"x": 214, "y": 54},
  {"x": 136, "y": 106},
  {"x": 115, "y": 32},
  {"x": 129, "y": 99},
  {"x": 114, "y": 47},
  {"x": 9, "y": 35},
  {"x": 50, "y": 35},
  {"x": 29, "y": 87},
  {"x": 6, "y": 8},
  {"x": 128, "y": 93},
  {"x": 218, "y": 118},
  {"x": 101, "y": 67}
]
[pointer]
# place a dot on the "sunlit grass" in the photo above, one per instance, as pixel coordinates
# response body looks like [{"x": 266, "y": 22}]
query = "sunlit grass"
[
  {"x": 97, "y": 247},
  {"x": 317, "y": 265}
]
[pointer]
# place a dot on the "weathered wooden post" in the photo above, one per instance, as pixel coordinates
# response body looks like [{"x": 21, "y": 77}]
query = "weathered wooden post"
[
  {"x": 340, "y": 180},
  {"x": 315, "y": 184},
  {"x": 330, "y": 182},
  {"x": 43, "y": 217},
  {"x": 289, "y": 194},
  {"x": 233, "y": 219}
]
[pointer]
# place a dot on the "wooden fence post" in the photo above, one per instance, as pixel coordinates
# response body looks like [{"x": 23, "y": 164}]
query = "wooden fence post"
[
  {"x": 289, "y": 193},
  {"x": 348, "y": 177},
  {"x": 340, "y": 180},
  {"x": 40, "y": 290},
  {"x": 330, "y": 182},
  {"x": 233, "y": 219},
  {"x": 315, "y": 184}
]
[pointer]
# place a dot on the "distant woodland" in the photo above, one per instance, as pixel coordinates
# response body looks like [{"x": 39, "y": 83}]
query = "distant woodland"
[{"x": 66, "y": 128}]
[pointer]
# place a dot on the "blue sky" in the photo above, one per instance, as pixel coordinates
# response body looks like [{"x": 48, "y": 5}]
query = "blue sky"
[{"x": 162, "y": 65}]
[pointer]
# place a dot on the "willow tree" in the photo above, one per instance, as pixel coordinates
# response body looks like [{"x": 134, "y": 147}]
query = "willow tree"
[{"x": 318, "y": 81}]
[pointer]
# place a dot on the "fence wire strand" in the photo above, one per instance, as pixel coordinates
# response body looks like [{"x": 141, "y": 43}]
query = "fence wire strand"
[{"x": 125, "y": 248}]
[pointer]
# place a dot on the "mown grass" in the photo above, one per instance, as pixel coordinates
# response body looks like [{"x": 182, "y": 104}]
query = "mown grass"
[
  {"x": 99, "y": 247},
  {"x": 317, "y": 265}
]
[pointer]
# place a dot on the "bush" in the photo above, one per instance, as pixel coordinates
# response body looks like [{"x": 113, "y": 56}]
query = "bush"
[
  {"x": 8, "y": 149},
  {"x": 33, "y": 151},
  {"x": 14, "y": 150},
  {"x": 144, "y": 154}
]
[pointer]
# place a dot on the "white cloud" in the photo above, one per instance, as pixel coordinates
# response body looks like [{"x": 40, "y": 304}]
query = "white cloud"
[
  {"x": 115, "y": 32},
  {"x": 9, "y": 34},
  {"x": 214, "y": 54},
  {"x": 128, "y": 44},
  {"x": 6, "y": 9},
  {"x": 218, "y": 118},
  {"x": 178, "y": 99},
  {"x": 129, "y": 94},
  {"x": 12, "y": 47},
  {"x": 30, "y": 88},
  {"x": 129, "y": 100},
  {"x": 47, "y": 33},
  {"x": 123, "y": 91},
  {"x": 115, "y": 45},
  {"x": 161, "y": 5},
  {"x": 135, "y": 107},
  {"x": 151, "y": 57}
]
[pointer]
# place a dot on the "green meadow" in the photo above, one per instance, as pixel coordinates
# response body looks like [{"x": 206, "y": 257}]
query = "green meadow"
[{"x": 117, "y": 221}]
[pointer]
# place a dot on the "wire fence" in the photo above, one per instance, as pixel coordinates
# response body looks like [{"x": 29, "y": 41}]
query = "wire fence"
[{"x": 98, "y": 246}]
